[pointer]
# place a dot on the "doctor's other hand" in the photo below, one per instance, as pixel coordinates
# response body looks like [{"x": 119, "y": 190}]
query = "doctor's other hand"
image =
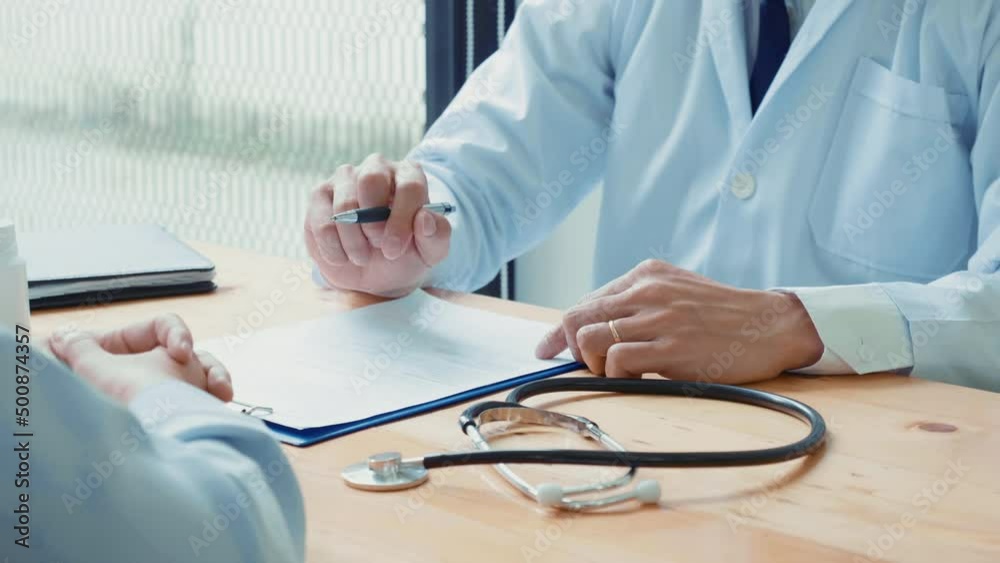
[
  {"x": 123, "y": 362},
  {"x": 684, "y": 326},
  {"x": 390, "y": 259}
]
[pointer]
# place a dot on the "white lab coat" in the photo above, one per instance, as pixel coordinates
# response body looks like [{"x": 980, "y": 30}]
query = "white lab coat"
[{"x": 867, "y": 180}]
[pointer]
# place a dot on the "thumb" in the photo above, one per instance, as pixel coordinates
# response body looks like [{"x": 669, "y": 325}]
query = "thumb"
[
  {"x": 73, "y": 347},
  {"x": 432, "y": 236}
]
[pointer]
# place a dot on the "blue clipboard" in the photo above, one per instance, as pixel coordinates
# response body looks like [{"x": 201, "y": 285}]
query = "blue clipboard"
[{"x": 310, "y": 436}]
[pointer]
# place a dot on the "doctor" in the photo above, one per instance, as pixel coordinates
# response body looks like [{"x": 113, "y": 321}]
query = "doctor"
[{"x": 788, "y": 185}]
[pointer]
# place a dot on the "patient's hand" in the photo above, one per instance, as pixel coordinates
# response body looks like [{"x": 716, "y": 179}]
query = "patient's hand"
[{"x": 123, "y": 362}]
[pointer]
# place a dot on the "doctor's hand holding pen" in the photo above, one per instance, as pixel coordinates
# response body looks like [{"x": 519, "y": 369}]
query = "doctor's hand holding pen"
[
  {"x": 389, "y": 255},
  {"x": 123, "y": 362},
  {"x": 657, "y": 318}
]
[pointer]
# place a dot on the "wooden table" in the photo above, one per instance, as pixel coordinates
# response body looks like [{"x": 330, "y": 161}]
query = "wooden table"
[{"x": 911, "y": 471}]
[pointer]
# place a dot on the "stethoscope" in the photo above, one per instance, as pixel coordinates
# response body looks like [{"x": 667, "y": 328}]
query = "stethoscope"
[{"x": 389, "y": 471}]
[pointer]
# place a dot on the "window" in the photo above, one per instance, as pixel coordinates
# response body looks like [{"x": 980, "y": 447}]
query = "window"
[{"x": 214, "y": 118}]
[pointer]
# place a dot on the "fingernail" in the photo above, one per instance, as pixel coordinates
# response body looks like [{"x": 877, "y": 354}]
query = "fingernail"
[
  {"x": 359, "y": 260},
  {"x": 176, "y": 336},
  {"x": 64, "y": 336},
  {"x": 540, "y": 350},
  {"x": 217, "y": 374},
  {"x": 428, "y": 224},
  {"x": 392, "y": 246},
  {"x": 59, "y": 336}
]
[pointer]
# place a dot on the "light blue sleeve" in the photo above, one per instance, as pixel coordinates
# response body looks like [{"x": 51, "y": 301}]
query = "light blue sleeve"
[
  {"x": 525, "y": 139},
  {"x": 947, "y": 330},
  {"x": 175, "y": 477},
  {"x": 954, "y": 322}
]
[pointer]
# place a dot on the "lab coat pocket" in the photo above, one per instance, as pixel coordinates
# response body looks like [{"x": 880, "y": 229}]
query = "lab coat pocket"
[{"x": 894, "y": 195}]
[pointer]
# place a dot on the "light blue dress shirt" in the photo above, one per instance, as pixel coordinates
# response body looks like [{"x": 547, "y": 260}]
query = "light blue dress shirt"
[
  {"x": 867, "y": 182},
  {"x": 176, "y": 477}
]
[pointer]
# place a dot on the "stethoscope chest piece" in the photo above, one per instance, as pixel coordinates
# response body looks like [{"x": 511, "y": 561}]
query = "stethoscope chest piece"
[{"x": 386, "y": 471}]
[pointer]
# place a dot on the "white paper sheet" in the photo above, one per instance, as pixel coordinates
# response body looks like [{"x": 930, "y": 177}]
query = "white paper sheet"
[{"x": 361, "y": 363}]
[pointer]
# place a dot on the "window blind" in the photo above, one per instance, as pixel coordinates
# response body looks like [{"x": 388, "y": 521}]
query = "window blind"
[{"x": 212, "y": 117}]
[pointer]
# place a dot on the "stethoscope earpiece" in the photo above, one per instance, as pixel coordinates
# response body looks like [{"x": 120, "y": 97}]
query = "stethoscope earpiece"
[
  {"x": 552, "y": 495},
  {"x": 549, "y": 494},
  {"x": 648, "y": 491}
]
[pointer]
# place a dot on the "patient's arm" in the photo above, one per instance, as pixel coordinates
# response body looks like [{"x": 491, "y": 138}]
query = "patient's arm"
[{"x": 172, "y": 476}]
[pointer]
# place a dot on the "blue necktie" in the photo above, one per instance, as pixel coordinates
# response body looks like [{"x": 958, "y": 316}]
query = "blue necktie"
[{"x": 774, "y": 37}]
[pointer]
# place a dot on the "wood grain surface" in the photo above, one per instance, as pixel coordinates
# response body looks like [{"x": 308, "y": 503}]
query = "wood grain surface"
[{"x": 911, "y": 471}]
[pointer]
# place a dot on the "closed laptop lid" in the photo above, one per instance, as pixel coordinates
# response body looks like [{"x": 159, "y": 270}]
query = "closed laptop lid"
[{"x": 108, "y": 252}]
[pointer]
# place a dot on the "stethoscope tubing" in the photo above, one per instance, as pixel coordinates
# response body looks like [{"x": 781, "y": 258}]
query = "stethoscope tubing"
[{"x": 772, "y": 401}]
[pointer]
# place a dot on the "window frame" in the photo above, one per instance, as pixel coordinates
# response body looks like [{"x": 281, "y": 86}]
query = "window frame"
[{"x": 447, "y": 29}]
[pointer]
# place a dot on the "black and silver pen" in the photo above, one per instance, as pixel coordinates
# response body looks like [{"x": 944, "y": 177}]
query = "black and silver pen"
[{"x": 378, "y": 214}]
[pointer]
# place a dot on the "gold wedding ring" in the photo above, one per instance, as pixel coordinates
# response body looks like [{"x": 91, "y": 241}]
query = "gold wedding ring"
[{"x": 614, "y": 332}]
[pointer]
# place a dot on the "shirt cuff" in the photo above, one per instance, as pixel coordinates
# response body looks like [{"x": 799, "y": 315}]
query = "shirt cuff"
[
  {"x": 861, "y": 328},
  {"x": 450, "y": 273},
  {"x": 829, "y": 364},
  {"x": 177, "y": 408}
]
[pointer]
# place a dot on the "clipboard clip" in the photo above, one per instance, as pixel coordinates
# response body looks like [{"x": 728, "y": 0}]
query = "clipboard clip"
[{"x": 256, "y": 411}]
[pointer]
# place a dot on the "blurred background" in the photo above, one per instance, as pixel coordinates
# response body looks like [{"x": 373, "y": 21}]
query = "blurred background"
[{"x": 215, "y": 118}]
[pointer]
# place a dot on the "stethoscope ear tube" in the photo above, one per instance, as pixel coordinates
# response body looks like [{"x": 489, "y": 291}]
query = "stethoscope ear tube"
[{"x": 807, "y": 445}]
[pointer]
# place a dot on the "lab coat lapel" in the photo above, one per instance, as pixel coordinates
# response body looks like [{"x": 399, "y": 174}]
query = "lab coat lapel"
[
  {"x": 723, "y": 23},
  {"x": 821, "y": 18}
]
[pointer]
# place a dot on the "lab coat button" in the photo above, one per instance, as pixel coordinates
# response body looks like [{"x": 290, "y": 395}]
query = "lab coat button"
[{"x": 743, "y": 185}]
